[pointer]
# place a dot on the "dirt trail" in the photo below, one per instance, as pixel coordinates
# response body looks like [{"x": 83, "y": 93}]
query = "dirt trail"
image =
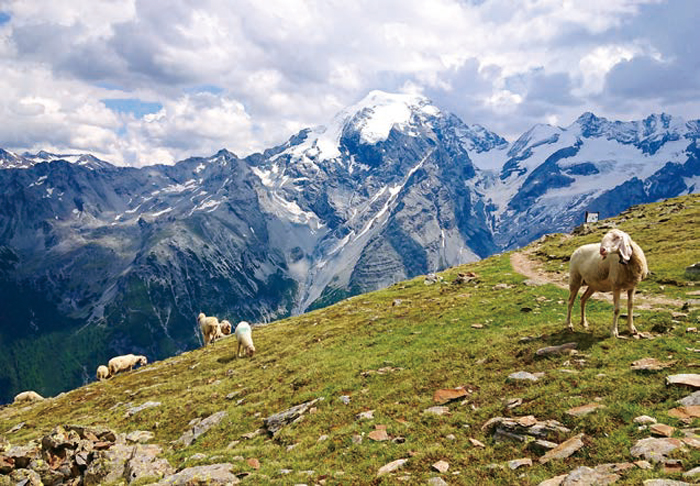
[{"x": 524, "y": 264}]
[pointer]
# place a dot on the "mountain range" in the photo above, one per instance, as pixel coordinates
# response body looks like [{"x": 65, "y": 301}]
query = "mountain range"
[{"x": 98, "y": 260}]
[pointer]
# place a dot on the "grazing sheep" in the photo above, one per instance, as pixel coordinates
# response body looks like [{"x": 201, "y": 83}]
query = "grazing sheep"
[
  {"x": 210, "y": 327},
  {"x": 28, "y": 396},
  {"x": 616, "y": 263},
  {"x": 102, "y": 372},
  {"x": 125, "y": 363},
  {"x": 244, "y": 336}
]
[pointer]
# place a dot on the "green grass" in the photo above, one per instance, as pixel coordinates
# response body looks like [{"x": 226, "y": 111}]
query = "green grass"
[{"x": 429, "y": 341}]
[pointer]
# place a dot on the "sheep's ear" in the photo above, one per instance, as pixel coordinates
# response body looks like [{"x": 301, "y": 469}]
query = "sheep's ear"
[{"x": 626, "y": 247}]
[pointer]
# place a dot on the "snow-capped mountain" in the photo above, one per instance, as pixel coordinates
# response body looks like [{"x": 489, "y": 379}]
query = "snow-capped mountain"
[
  {"x": 552, "y": 175},
  {"x": 111, "y": 259}
]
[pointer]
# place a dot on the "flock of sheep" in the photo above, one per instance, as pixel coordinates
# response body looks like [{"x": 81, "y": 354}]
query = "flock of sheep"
[
  {"x": 614, "y": 265},
  {"x": 212, "y": 330}
]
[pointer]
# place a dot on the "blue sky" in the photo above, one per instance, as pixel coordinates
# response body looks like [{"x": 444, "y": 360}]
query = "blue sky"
[{"x": 140, "y": 82}]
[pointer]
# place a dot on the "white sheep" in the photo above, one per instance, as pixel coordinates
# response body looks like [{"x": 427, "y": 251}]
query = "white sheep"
[
  {"x": 28, "y": 396},
  {"x": 102, "y": 372},
  {"x": 616, "y": 263},
  {"x": 210, "y": 327},
  {"x": 244, "y": 335},
  {"x": 125, "y": 363}
]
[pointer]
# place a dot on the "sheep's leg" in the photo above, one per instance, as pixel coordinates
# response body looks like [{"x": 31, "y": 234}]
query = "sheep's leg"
[
  {"x": 584, "y": 298},
  {"x": 238, "y": 351},
  {"x": 574, "y": 285},
  {"x": 630, "y": 318},
  {"x": 616, "y": 311}
]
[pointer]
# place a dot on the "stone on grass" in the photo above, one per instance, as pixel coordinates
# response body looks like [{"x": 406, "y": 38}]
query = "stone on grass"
[
  {"x": 519, "y": 428},
  {"x": 275, "y": 423},
  {"x": 254, "y": 463},
  {"x": 368, "y": 415},
  {"x": 662, "y": 430},
  {"x": 378, "y": 435},
  {"x": 691, "y": 400},
  {"x": 437, "y": 482},
  {"x": 476, "y": 443},
  {"x": 144, "y": 462},
  {"x": 693, "y": 472},
  {"x": 585, "y": 409},
  {"x": 541, "y": 446},
  {"x": 134, "y": 410},
  {"x": 522, "y": 376},
  {"x": 441, "y": 466},
  {"x": 564, "y": 450},
  {"x": 518, "y": 463},
  {"x": 555, "y": 481},
  {"x": 391, "y": 467},
  {"x": 684, "y": 413},
  {"x": 210, "y": 475},
  {"x": 651, "y": 364},
  {"x": 685, "y": 379},
  {"x": 449, "y": 394},
  {"x": 199, "y": 426},
  {"x": 586, "y": 476},
  {"x": 644, "y": 420},
  {"x": 655, "y": 450},
  {"x": 553, "y": 350},
  {"x": 437, "y": 411}
]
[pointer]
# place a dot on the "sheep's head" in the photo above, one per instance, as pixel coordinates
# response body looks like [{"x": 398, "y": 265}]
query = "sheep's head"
[
  {"x": 143, "y": 360},
  {"x": 616, "y": 241},
  {"x": 250, "y": 350},
  {"x": 201, "y": 316},
  {"x": 225, "y": 327}
]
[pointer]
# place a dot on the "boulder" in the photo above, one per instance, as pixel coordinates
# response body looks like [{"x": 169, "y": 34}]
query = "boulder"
[{"x": 144, "y": 463}]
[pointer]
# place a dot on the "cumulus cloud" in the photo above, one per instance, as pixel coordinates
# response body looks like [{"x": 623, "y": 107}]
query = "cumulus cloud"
[{"x": 246, "y": 75}]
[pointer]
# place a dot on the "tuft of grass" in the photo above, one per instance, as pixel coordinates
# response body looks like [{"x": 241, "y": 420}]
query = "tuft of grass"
[{"x": 390, "y": 350}]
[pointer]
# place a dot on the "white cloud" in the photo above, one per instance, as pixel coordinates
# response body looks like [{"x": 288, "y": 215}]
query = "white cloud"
[{"x": 277, "y": 66}]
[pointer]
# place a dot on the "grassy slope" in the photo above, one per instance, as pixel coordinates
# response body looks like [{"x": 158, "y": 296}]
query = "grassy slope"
[{"x": 429, "y": 336}]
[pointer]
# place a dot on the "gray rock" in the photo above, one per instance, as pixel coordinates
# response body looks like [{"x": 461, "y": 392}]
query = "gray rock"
[
  {"x": 437, "y": 411},
  {"x": 210, "y": 475},
  {"x": 693, "y": 270},
  {"x": 693, "y": 472},
  {"x": 522, "y": 376},
  {"x": 134, "y": 410},
  {"x": 541, "y": 446},
  {"x": 391, "y": 467},
  {"x": 25, "y": 477},
  {"x": 436, "y": 482},
  {"x": 23, "y": 455},
  {"x": 275, "y": 423},
  {"x": 691, "y": 400},
  {"x": 199, "y": 426},
  {"x": 586, "y": 476},
  {"x": 144, "y": 463},
  {"x": 107, "y": 466},
  {"x": 519, "y": 428},
  {"x": 518, "y": 463},
  {"x": 655, "y": 450}
]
